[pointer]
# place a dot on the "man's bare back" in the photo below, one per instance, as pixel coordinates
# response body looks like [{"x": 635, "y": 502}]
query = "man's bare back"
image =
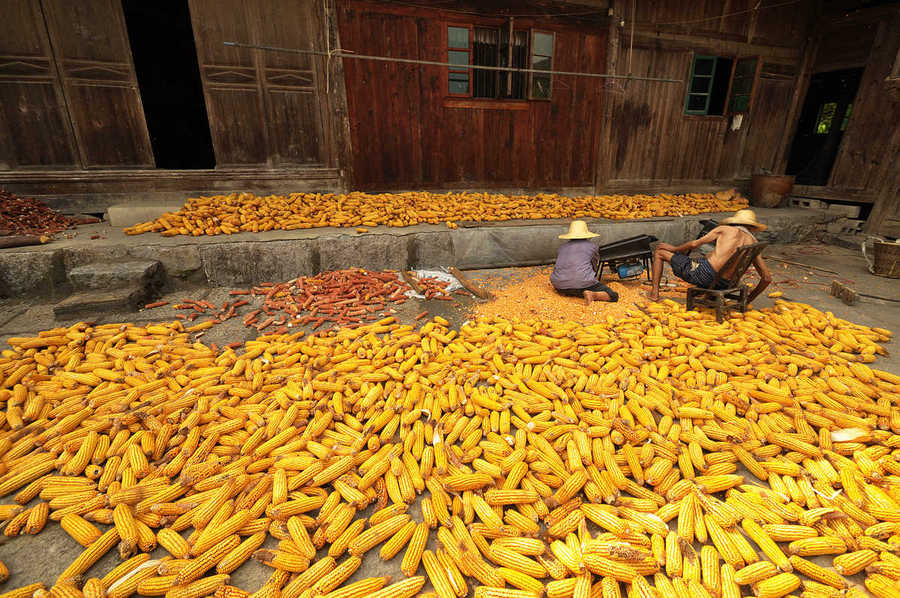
[{"x": 728, "y": 239}]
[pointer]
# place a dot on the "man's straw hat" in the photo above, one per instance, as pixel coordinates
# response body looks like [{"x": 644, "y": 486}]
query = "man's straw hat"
[
  {"x": 744, "y": 218},
  {"x": 578, "y": 230}
]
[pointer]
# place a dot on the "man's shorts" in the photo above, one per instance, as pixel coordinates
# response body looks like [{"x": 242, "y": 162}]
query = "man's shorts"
[{"x": 699, "y": 272}]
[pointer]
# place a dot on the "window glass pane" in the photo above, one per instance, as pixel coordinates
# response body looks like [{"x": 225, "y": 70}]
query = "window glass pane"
[
  {"x": 704, "y": 65},
  {"x": 458, "y": 37},
  {"x": 541, "y": 63},
  {"x": 540, "y": 86},
  {"x": 740, "y": 103},
  {"x": 457, "y": 57},
  {"x": 742, "y": 85},
  {"x": 696, "y": 102},
  {"x": 543, "y": 44},
  {"x": 746, "y": 67},
  {"x": 700, "y": 84},
  {"x": 459, "y": 85},
  {"x": 846, "y": 117},
  {"x": 826, "y": 114}
]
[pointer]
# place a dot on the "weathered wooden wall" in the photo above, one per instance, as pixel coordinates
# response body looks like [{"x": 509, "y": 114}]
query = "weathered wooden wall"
[
  {"x": 648, "y": 140},
  {"x": 72, "y": 121},
  {"x": 406, "y": 133}
]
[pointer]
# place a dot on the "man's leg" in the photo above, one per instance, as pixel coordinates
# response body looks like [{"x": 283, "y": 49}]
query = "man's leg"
[{"x": 660, "y": 256}]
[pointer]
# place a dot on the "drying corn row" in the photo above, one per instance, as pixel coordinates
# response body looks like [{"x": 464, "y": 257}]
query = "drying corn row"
[
  {"x": 245, "y": 212},
  {"x": 551, "y": 458}
]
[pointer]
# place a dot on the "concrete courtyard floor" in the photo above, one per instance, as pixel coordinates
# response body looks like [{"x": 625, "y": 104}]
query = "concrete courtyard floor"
[{"x": 44, "y": 556}]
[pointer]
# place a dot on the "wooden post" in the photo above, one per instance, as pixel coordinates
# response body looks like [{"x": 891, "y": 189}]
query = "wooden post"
[
  {"x": 604, "y": 147},
  {"x": 801, "y": 85},
  {"x": 341, "y": 151}
]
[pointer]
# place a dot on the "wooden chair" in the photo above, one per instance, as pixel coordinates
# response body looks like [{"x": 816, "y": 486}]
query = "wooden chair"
[{"x": 733, "y": 293}]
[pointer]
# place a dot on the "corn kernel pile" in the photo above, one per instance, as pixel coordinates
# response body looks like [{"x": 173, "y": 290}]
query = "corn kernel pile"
[
  {"x": 551, "y": 457},
  {"x": 245, "y": 212},
  {"x": 528, "y": 294}
]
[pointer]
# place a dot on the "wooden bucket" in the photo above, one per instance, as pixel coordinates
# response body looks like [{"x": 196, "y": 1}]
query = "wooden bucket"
[
  {"x": 885, "y": 258},
  {"x": 770, "y": 190}
]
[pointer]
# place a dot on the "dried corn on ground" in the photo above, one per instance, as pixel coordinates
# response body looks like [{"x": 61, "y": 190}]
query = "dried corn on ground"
[
  {"x": 552, "y": 457},
  {"x": 228, "y": 214},
  {"x": 527, "y": 293}
]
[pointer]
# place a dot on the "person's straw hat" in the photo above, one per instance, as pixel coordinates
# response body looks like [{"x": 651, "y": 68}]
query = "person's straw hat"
[
  {"x": 578, "y": 230},
  {"x": 745, "y": 218}
]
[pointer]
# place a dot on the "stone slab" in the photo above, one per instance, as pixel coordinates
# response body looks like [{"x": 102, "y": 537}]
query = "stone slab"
[
  {"x": 100, "y": 301},
  {"x": 107, "y": 275},
  {"x": 122, "y": 215},
  {"x": 249, "y": 258}
]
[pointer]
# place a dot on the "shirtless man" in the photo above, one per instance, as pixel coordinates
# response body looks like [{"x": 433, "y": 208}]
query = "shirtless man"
[{"x": 733, "y": 233}]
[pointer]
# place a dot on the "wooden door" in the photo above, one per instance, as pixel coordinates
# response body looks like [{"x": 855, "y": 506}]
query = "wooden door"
[
  {"x": 289, "y": 81},
  {"x": 263, "y": 107},
  {"x": 93, "y": 55},
  {"x": 34, "y": 126}
]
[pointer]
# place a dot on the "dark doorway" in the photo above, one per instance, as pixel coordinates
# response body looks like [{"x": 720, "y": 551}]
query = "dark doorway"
[
  {"x": 829, "y": 104},
  {"x": 165, "y": 60}
]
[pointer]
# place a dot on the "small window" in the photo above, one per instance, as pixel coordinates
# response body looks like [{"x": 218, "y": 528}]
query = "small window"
[
  {"x": 459, "y": 53},
  {"x": 541, "y": 60},
  {"x": 489, "y": 47},
  {"x": 708, "y": 85}
]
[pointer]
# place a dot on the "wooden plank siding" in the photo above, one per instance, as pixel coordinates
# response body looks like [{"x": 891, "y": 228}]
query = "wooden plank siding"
[
  {"x": 35, "y": 131},
  {"x": 406, "y": 133}
]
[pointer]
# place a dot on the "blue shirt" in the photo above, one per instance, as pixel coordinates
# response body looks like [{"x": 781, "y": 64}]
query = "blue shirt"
[{"x": 573, "y": 268}]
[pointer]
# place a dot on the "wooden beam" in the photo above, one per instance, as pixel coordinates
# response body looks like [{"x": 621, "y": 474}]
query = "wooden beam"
[
  {"x": 649, "y": 33},
  {"x": 833, "y": 194}
]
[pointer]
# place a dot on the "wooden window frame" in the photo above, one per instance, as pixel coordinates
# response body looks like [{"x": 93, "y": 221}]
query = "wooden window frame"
[
  {"x": 690, "y": 83},
  {"x": 726, "y": 110},
  {"x": 448, "y": 49},
  {"x": 753, "y": 86},
  {"x": 531, "y": 56}
]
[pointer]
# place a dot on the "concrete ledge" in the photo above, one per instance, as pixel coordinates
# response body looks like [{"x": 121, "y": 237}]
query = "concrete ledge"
[
  {"x": 250, "y": 258},
  {"x": 122, "y": 215}
]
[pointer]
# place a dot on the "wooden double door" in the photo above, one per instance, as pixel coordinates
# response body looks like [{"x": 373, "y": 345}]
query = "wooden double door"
[{"x": 70, "y": 99}]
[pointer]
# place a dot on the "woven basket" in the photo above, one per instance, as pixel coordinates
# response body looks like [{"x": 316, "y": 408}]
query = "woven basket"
[{"x": 885, "y": 258}]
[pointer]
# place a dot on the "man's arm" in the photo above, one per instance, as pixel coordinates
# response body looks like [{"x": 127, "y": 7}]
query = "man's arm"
[
  {"x": 688, "y": 247},
  {"x": 765, "y": 278}
]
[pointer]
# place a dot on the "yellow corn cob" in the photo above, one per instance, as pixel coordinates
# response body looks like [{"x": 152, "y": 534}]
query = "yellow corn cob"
[
  {"x": 852, "y": 563},
  {"x": 777, "y": 586},
  {"x": 91, "y": 555},
  {"x": 401, "y": 589},
  {"x": 93, "y": 588},
  {"x": 239, "y": 554},
  {"x": 490, "y": 592},
  {"x": 817, "y": 546},
  {"x": 362, "y": 587},
  {"x": 817, "y": 573}
]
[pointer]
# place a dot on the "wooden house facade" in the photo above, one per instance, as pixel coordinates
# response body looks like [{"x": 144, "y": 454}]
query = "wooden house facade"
[{"x": 99, "y": 105}]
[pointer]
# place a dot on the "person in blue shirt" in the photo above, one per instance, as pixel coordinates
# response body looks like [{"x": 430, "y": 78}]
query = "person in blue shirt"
[{"x": 575, "y": 271}]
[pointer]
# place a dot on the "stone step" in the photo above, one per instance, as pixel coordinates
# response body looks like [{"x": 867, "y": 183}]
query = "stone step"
[
  {"x": 101, "y": 301},
  {"x": 109, "y": 275}
]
